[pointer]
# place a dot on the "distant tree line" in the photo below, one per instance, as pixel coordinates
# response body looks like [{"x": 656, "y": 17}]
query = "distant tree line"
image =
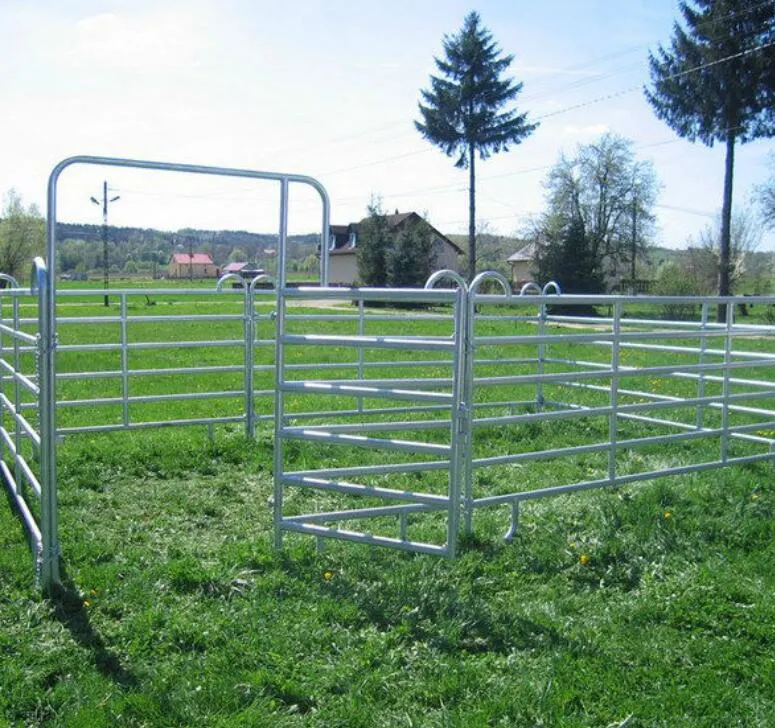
[
  {"x": 22, "y": 236},
  {"x": 145, "y": 250}
]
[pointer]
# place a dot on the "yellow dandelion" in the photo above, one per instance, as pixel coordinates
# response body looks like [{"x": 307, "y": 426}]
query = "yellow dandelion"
[
  {"x": 754, "y": 496},
  {"x": 93, "y": 592},
  {"x": 667, "y": 514},
  {"x": 86, "y": 603},
  {"x": 584, "y": 559},
  {"x": 328, "y": 574}
]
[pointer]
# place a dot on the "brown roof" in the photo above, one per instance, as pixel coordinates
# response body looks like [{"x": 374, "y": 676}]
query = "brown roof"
[
  {"x": 525, "y": 253},
  {"x": 341, "y": 232}
]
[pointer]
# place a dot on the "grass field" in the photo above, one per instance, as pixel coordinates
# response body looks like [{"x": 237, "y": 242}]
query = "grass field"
[{"x": 637, "y": 606}]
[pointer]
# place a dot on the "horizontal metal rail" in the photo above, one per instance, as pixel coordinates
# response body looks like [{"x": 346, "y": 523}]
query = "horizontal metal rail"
[
  {"x": 341, "y": 486},
  {"x": 371, "y": 342},
  {"x": 419, "y": 448},
  {"x": 618, "y": 480},
  {"x": 311, "y": 529}
]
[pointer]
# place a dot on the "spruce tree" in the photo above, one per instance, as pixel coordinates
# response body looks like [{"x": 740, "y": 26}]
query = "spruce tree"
[
  {"x": 716, "y": 83},
  {"x": 463, "y": 114},
  {"x": 374, "y": 242},
  {"x": 411, "y": 259},
  {"x": 566, "y": 256}
]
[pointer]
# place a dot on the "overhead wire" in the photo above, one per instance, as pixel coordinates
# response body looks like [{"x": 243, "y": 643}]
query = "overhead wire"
[{"x": 551, "y": 114}]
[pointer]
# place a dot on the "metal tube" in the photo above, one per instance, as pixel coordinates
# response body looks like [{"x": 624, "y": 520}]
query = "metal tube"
[
  {"x": 459, "y": 447},
  {"x": 730, "y": 318},
  {"x": 124, "y": 340},
  {"x": 614, "y": 394},
  {"x": 340, "y": 486},
  {"x": 367, "y": 538},
  {"x": 49, "y": 566},
  {"x": 279, "y": 418}
]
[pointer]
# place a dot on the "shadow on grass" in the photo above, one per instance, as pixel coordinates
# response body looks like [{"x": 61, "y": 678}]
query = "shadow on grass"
[{"x": 69, "y": 609}]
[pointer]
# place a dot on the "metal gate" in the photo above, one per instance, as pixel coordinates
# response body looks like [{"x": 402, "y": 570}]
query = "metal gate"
[
  {"x": 383, "y": 424},
  {"x": 27, "y": 434},
  {"x": 28, "y": 363}
]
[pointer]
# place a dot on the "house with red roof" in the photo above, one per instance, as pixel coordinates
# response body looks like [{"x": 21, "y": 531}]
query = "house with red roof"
[{"x": 192, "y": 265}]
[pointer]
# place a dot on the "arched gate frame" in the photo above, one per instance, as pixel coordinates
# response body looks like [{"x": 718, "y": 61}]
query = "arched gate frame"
[{"x": 48, "y": 568}]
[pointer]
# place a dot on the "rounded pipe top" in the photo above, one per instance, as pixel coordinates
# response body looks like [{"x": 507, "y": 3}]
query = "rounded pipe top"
[
  {"x": 38, "y": 275},
  {"x": 491, "y": 275},
  {"x": 228, "y": 276},
  {"x": 446, "y": 275},
  {"x": 8, "y": 277},
  {"x": 547, "y": 288},
  {"x": 530, "y": 287},
  {"x": 260, "y": 278}
]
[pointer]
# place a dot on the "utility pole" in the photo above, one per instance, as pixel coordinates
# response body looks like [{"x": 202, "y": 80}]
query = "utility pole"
[
  {"x": 104, "y": 204},
  {"x": 634, "y": 240}
]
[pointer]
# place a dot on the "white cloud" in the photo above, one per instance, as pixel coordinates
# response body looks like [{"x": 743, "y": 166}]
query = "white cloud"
[
  {"x": 161, "y": 40},
  {"x": 590, "y": 131}
]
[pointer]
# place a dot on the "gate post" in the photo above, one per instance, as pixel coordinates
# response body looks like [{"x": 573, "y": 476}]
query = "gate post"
[
  {"x": 248, "y": 336},
  {"x": 48, "y": 566},
  {"x": 468, "y": 388}
]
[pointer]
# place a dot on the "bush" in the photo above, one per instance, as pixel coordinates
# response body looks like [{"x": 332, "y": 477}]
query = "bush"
[{"x": 673, "y": 281}]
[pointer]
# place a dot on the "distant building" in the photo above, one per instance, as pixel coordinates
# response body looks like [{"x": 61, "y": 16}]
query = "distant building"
[
  {"x": 192, "y": 265},
  {"x": 343, "y": 243},
  {"x": 522, "y": 263},
  {"x": 248, "y": 271}
]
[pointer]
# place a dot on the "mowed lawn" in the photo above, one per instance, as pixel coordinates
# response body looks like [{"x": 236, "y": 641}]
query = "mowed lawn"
[{"x": 649, "y": 605}]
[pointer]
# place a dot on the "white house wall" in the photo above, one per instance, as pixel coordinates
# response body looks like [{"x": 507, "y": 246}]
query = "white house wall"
[{"x": 342, "y": 269}]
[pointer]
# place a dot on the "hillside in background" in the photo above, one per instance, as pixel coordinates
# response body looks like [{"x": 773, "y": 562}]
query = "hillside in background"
[{"x": 147, "y": 250}]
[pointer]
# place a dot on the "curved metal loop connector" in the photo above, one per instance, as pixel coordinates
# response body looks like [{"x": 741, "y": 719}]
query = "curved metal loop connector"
[
  {"x": 530, "y": 287},
  {"x": 260, "y": 278},
  {"x": 38, "y": 276},
  {"x": 229, "y": 276},
  {"x": 8, "y": 277},
  {"x": 446, "y": 275},
  {"x": 491, "y": 275},
  {"x": 551, "y": 284}
]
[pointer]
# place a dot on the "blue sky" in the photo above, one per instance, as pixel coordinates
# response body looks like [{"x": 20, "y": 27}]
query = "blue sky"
[{"x": 328, "y": 89}]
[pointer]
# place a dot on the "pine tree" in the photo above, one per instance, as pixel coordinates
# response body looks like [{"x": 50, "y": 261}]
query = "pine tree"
[
  {"x": 411, "y": 259},
  {"x": 716, "y": 83},
  {"x": 462, "y": 112},
  {"x": 566, "y": 256},
  {"x": 374, "y": 241}
]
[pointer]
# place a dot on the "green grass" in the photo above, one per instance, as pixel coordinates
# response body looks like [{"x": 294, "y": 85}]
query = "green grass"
[
  {"x": 637, "y": 606},
  {"x": 178, "y": 612}
]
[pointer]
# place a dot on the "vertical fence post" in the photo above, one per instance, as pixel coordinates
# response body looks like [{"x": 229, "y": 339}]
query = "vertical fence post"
[
  {"x": 249, "y": 331},
  {"x": 124, "y": 359},
  {"x": 2, "y": 381},
  {"x": 730, "y": 319},
  {"x": 361, "y": 351},
  {"x": 613, "y": 429},
  {"x": 49, "y": 558},
  {"x": 17, "y": 390},
  {"x": 279, "y": 367},
  {"x": 701, "y": 379},
  {"x": 468, "y": 392},
  {"x": 460, "y": 426},
  {"x": 541, "y": 354}
]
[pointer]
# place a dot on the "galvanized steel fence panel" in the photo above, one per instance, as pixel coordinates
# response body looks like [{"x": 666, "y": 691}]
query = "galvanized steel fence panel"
[
  {"x": 27, "y": 436},
  {"x": 443, "y": 424}
]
